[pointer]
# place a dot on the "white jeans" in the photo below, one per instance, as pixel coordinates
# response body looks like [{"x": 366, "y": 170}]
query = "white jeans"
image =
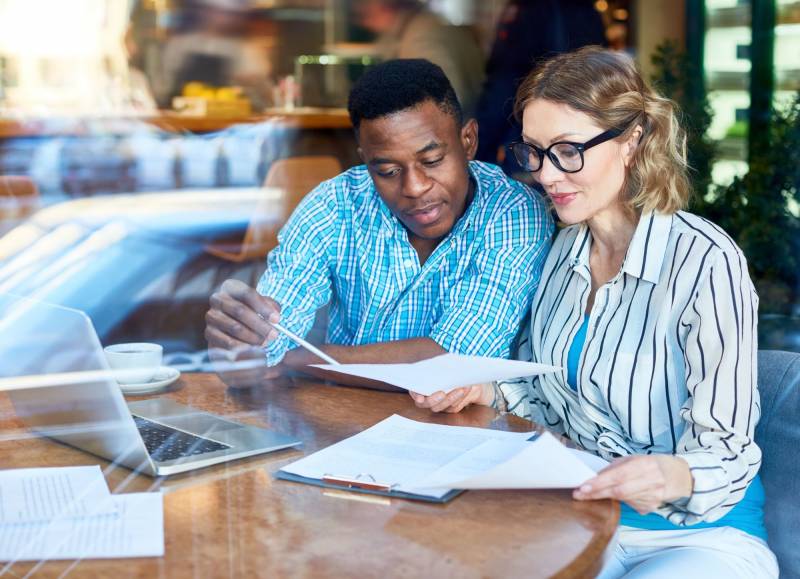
[{"x": 689, "y": 554}]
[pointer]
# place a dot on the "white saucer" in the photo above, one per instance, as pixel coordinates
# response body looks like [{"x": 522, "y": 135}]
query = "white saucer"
[{"x": 163, "y": 378}]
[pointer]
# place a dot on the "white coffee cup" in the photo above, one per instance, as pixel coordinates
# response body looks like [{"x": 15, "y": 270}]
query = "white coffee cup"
[{"x": 136, "y": 362}]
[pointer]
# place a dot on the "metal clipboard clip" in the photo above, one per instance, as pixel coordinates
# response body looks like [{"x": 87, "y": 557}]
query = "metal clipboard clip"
[{"x": 363, "y": 481}]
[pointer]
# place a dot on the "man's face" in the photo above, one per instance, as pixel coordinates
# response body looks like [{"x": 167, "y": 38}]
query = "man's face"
[{"x": 418, "y": 161}]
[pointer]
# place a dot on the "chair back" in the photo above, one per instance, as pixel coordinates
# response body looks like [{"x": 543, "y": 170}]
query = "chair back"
[
  {"x": 778, "y": 435},
  {"x": 295, "y": 177},
  {"x": 19, "y": 197}
]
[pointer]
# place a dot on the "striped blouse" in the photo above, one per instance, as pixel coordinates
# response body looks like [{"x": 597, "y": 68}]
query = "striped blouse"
[{"x": 669, "y": 362}]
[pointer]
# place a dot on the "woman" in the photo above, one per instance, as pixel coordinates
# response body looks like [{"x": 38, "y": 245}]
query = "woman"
[{"x": 652, "y": 314}]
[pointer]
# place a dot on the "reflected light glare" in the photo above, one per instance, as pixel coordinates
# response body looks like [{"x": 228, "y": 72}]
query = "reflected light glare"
[
  {"x": 72, "y": 28},
  {"x": 620, "y": 14},
  {"x": 65, "y": 54},
  {"x": 601, "y": 5},
  {"x": 17, "y": 239},
  {"x": 47, "y": 246}
]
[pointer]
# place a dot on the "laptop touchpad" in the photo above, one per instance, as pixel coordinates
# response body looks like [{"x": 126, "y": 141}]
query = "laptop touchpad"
[{"x": 166, "y": 412}]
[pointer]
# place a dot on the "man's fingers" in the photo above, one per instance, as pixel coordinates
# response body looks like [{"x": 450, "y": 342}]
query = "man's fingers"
[
  {"x": 221, "y": 341},
  {"x": 266, "y": 308},
  {"x": 239, "y": 318},
  {"x": 223, "y": 323},
  {"x": 262, "y": 305}
]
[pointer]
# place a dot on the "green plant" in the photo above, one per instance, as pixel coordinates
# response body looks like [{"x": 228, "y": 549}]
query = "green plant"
[
  {"x": 679, "y": 79},
  {"x": 760, "y": 209}
]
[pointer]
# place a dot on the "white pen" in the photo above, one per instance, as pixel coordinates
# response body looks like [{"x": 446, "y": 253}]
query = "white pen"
[{"x": 301, "y": 342}]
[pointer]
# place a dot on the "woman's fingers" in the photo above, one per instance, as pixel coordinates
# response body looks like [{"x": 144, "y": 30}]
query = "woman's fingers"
[{"x": 449, "y": 400}]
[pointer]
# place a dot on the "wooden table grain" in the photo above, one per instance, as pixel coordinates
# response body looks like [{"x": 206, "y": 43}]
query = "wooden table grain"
[{"x": 237, "y": 520}]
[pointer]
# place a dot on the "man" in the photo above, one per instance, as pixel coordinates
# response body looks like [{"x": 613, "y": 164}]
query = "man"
[
  {"x": 417, "y": 253},
  {"x": 408, "y": 29}
]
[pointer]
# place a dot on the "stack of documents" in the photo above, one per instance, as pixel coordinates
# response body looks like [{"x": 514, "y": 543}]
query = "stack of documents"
[
  {"x": 69, "y": 513},
  {"x": 409, "y": 459}
]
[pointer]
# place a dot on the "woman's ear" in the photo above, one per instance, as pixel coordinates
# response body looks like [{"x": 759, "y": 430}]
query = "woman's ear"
[{"x": 631, "y": 144}]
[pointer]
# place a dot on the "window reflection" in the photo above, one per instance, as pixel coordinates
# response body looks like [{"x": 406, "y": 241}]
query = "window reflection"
[{"x": 144, "y": 207}]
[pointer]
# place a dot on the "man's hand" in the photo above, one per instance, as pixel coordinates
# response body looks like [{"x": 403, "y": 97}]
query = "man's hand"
[
  {"x": 644, "y": 482},
  {"x": 455, "y": 400},
  {"x": 239, "y": 317},
  {"x": 237, "y": 329}
]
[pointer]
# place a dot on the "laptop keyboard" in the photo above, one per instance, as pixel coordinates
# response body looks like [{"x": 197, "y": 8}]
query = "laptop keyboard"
[{"x": 165, "y": 443}]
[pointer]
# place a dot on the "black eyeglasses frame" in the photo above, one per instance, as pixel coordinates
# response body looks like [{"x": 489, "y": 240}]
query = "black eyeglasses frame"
[{"x": 580, "y": 147}]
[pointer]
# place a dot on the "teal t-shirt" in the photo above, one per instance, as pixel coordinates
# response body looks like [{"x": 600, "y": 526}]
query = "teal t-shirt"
[{"x": 747, "y": 515}]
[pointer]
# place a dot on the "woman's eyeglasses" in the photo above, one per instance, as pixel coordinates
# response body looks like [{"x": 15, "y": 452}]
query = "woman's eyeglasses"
[{"x": 565, "y": 155}]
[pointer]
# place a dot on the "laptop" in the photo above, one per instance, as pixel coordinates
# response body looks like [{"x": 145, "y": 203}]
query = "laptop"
[{"x": 156, "y": 436}]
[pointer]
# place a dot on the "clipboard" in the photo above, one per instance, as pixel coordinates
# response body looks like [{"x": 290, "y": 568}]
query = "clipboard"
[{"x": 365, "y": 484}]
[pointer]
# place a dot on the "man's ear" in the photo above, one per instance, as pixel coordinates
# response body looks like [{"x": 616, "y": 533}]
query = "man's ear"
[
  {"x": 360, "y": 152},
  {"x": 631, "y": 144},
  {"x": 469, "y": 138}
]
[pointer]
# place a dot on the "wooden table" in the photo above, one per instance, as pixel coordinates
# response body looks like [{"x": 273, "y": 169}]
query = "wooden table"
[{"x": 236, "y": 520}]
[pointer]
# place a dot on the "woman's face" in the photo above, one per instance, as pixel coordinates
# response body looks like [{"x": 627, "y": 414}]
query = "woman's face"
[{"x": 596, "y": 188}]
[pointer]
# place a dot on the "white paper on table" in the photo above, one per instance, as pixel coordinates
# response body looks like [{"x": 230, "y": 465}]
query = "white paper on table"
[
  {"x": 444, "y": 372},
  {"x": 543, "y": 463},
  {"x": 42, "y": 494},
  {"x": 135, "y": 530},
  {"x": 398, "y": 451}
]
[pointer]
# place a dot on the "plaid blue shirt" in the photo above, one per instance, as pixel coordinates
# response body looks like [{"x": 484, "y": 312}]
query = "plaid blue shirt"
[{"x": 344, "y": 247}]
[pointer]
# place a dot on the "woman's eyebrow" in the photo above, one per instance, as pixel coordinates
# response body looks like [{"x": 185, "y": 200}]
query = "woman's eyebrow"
[{"x": 561, "y": 137}]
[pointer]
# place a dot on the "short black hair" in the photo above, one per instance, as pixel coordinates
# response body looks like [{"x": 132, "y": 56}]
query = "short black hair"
[{"x": 397, "y": 85}]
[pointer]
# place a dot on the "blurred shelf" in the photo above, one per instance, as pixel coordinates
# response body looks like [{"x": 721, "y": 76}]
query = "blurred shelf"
[
  {"x": 297, "y": 10},
  {"x": 732, "y": 149},
  {"x": 788, "y": 79},
  {"x": 301, "y": 118},
  {"x": 288, "y": 4},
  {"x": 729, "y": 17},
  {"x": 789, "y": 13},
  {"x": 727, "y": 80},
  {"x": 736, "y": 16},
  {"x": 294, "y": 14}
]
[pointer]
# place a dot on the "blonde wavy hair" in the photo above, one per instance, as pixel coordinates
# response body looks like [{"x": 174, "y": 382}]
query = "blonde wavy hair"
[{"x": 606, "y": 86}]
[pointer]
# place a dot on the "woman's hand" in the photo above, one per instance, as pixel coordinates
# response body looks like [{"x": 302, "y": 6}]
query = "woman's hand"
[
  {"x": 644, "y": 482},
  {"x": 455, "y": 400}
]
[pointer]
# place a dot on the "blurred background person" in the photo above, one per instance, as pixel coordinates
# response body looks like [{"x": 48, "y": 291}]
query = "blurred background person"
[
  {"x": 140, "y": 92},
  {"x": 408, "y": 29},
  {"x": 214, "y": 49},
  {"x": 527, "y": 31}
]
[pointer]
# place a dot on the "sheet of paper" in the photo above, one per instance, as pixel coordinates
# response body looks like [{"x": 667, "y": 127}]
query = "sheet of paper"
[
  {"x": 42, "y": 494},
  {"x": 136, "y": 529},
  {"x": 444, "y": 372},
  {"x": 543, "y": 463},
  {"x": 398, "y": 451},
  {"x": 593, "y": 461}
]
